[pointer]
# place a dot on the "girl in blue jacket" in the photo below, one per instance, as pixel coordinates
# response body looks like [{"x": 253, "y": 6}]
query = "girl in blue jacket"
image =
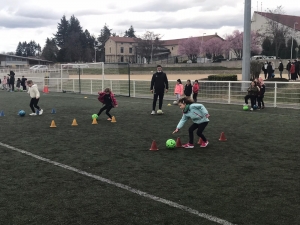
[{"x": 199, "y": 115}]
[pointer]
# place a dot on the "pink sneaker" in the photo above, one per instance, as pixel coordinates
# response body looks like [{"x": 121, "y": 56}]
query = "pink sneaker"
[
  {"x": 204, "y": 144},
  {"x": 188, "y": 145}
]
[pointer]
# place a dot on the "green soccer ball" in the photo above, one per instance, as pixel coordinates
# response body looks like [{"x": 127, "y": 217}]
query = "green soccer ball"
[
  {"x": 170, "y": 144},
  {"x": 245, "y": 107},
  {"x": 94, "y": 116}
]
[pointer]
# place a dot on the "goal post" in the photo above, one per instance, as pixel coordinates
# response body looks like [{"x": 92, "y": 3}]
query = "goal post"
[
  {"x": 89, "y": 78},
  {"x": 117, "y": 78}
]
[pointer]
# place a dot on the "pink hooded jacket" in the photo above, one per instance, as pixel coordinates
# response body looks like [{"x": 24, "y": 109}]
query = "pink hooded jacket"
[
  {"x": 4, "y": 81},
  {"x": 112, "y": 96},
  {"x": 178, "y": 89}
]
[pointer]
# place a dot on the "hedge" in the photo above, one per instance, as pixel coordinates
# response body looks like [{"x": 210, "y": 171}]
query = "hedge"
[
  {"x": 278, "y": 79},
  {"x": 222, "y": 77}
]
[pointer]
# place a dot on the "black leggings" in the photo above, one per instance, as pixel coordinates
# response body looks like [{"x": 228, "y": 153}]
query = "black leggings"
[
  {"x": 195, "y": 97},
  {"x": 108, "y": 108},
  {"x": 159, "y": 95},
  {"x": 260, "y": 101},
  {"x": 34, "y": 104},
  {"x": 252, "y": 98},
  {"x": 200, "y": 128}
]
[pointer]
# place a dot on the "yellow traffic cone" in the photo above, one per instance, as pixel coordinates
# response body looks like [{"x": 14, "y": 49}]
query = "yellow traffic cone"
[
  {"x": 74, "y": 123},
  {"x": 113, "y": 120},
  {"x": 53, "y": 124},
  {"x": 94, "y": 121}
]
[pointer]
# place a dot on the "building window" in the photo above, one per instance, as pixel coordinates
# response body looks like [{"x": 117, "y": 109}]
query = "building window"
[
  {"x": 122, "y": 58},
  {"x": 122, "y": 49},
  {"x": 172, "y": 48},
  {"x": 130, "y": 50}
]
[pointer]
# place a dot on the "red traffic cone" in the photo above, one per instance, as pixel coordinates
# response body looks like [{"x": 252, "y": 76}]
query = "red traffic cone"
[
  {"x": 46, "y": 89},
  {"x": 222, "y": 137},
  {"x": 178, "y": 143},
  {"x": 153, "y": 146},
  {"x": 200, "y": 141}
]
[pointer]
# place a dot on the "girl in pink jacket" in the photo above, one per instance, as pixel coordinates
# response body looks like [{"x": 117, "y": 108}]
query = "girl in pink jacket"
[
  {"x": 4, "y": 83},
  {"x": 178, "y": 90}
]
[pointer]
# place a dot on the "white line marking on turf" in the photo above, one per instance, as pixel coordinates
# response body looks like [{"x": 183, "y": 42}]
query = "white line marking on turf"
[{"x": 122, "y": 186}]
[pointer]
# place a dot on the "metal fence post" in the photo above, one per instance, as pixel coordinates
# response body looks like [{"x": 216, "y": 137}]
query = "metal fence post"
[
  {"x": 91, "y": 86},
  {"x": 73, "y": 85},
  {"x": 275, "y": 95},
  {"x": 229, "y": 92},
  {"x": 134, "y": 88}
]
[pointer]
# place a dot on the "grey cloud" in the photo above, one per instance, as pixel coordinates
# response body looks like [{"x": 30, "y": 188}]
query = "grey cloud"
[
  {"x": 200, "y": 22},
  {"x": 21, "y": 22},
  {"x": 166, "y": 6},
  {"x": 92, "y": 12},
  {"x": 38, "y": 13}
]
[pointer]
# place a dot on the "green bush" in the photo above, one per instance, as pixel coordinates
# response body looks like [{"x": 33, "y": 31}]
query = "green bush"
[
  {"x": 184, "y": 61},
  {"x": 278, "y": 79},
  {"x": 223, "y": 77}
]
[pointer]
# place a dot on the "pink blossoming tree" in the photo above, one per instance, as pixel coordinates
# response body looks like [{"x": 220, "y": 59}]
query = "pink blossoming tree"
[{"x": 190, "y": 47}]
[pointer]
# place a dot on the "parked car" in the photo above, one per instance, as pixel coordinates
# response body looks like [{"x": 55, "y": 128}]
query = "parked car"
[{"x": 39, "y": 68}]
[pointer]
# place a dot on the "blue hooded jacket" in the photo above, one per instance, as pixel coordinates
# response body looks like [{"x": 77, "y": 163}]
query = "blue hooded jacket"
[{"x": 197, "y": 112}]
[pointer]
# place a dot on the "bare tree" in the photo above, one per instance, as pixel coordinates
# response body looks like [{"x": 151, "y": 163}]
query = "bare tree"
[
  {"x": 275, "y": 30},
  {"x": 148, "y": 45}
]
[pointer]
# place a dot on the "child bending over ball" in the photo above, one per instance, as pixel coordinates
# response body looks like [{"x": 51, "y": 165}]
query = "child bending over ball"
[
  {"x": 34, "y": 93},
  {"x": 199, "y": 115},
  {"x": 108, "y": 99}
]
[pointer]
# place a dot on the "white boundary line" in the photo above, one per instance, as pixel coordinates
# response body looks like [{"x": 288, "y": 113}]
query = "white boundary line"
[{"x": 122, "y": 186}]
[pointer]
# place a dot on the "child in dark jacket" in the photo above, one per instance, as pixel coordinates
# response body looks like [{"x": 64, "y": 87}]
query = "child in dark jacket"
[
  {"x": 109, "y": 101},
  {"x": 253, "y": 91},
  {"x": 188, "y": 89},
  {"x": 260, "y": 97}
]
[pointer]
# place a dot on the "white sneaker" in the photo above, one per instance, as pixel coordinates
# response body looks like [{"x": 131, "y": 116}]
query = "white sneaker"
[
  {"x": 251, "y": 109},
  {"x": 41, "y": 112},
  {"x": 153, "y": 112},
  {"x": 32, "y": 114}
]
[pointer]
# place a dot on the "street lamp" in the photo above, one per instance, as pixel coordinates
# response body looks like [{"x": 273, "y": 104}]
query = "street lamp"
[
  {"x": 293, "y": 41},
  {"x": 201, "y": 45}
]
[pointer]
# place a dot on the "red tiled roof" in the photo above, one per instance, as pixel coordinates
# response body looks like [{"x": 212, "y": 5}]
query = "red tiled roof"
[
  {"x": 123, "y": 39},
  {"x": 286, "y": 20},
  {"x": 176, "y": 41}
]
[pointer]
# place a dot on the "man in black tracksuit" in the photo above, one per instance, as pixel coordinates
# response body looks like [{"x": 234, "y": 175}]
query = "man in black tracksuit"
[{"x": 160, "y": 83}]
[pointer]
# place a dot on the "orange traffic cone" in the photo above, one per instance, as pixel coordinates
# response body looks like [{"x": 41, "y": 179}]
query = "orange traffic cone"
[
  {"x": 94, "y": 121},
  {"x": 222, "y": 137},
  {"x": 178, "y": 143},
  {"x": 46, "y": 89},
  {"x": 52, "y": 124},
  {"x": 74, "y": 123},
  {"x": 200, "y": 141},
  {"x": 113, "y": 120},
  {"x": 153, "y": 146}
]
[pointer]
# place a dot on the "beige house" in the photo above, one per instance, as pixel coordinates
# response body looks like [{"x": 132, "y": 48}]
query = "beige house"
[
  {"x": 122, "y": 49},
  {"x": 260, "y": 20},
  {"x": 119, "y": 49},
  {"x": 173, "y": 45}
]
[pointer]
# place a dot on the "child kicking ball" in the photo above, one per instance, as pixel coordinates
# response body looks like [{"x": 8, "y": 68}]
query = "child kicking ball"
[{"x": 199, "y": 115}]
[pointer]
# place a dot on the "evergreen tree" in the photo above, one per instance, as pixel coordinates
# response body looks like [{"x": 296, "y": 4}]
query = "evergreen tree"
[
  {"x": 105, "y": 33},
  {"x": 62, "y": 32},
  {"x": 267, "y": 47},
  {"x": 19, "y": 51},
  {"x": 130, "y": 32},
  {"x": 50, "y": 51}
]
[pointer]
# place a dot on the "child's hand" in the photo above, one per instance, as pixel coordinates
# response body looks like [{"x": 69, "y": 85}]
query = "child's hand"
[
  {"x": 207, "y": 115},
  {"x": 116, "y": 106},
  {"x": 175, "y": 131}
]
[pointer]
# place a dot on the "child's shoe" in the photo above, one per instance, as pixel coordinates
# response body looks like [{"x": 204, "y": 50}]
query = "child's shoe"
[
  {"x": 188, "y": 145},
  {"x": 251, "y": 109},
  {"x": 204, "y": 144},
  {"x": 109, "y": 119},
  {"x": 41, "y": 112},
  {"x": 153, "y": 112},
  {"x": 32, "y": 114}
]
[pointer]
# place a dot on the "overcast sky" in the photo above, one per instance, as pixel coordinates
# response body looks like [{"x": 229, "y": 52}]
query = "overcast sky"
[{"x": 25, "y": 20}]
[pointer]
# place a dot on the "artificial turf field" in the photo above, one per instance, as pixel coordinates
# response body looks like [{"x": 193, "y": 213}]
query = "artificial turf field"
[{"x": 252, "y": 178}]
